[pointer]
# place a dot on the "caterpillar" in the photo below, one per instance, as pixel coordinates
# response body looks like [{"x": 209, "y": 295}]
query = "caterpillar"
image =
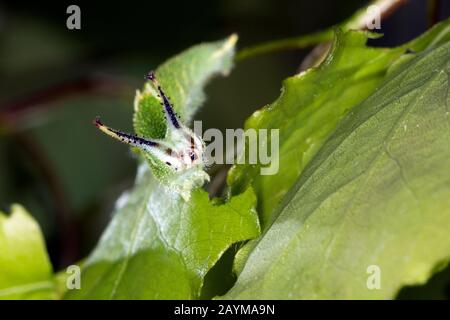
[{"x": 180, "y": 150}]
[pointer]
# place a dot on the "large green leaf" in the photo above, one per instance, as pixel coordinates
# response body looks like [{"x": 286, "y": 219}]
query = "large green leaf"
[
  {"x": 312, "y": 103},
  {"x": 159, "y": 245},
  {"x": 25, "y": 270},
  {"x": 377, "y": 193}
]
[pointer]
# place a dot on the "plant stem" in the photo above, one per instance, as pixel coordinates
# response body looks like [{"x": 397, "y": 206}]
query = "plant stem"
[
  {"x": 357, "y": 21},
  {"x": 285, "y": 44}
]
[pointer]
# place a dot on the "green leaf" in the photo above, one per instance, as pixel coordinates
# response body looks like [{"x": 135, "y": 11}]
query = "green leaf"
[
  {"x": 312, "y": 103},
  {"x": 159, "y": 245},
  {"x": 25, "y": 269},
  {"x": 377, "y": 193}
]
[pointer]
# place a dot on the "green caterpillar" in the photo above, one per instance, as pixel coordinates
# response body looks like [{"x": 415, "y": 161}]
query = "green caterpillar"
[{"x": 180, "y": 154}]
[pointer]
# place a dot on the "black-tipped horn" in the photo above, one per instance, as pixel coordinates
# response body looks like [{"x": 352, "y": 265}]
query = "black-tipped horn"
[
  {"x": 168, "y": 108},
  {"x": 127, "y": 138}
]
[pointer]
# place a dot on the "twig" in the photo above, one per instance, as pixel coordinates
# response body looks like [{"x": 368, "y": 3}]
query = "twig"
[
  {"x": 357, "y": 21},
  {"x": 67, "y": 231},
  {"x": 11, "y": 113},
  {"x": 387, "y": 7}
]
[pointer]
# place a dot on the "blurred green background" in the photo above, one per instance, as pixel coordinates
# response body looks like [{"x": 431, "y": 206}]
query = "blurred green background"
[{"x": 54, "y": 81}]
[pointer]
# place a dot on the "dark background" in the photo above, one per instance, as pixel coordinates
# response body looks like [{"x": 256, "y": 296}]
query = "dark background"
[{"x": 54, "y": 81}]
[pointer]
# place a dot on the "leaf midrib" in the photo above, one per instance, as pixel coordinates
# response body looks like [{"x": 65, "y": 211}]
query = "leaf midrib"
[{"x": 27, "y": 288}]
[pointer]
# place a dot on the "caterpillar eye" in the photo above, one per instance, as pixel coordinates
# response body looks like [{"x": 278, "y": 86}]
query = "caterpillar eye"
[{"x": 193, "y": 156}]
